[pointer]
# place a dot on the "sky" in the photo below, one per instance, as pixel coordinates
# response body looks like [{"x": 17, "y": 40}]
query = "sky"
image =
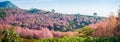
[{"x": 85, "y": 7}]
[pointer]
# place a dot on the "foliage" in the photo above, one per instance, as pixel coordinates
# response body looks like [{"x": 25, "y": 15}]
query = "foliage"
[
  {"x": 33, "y": 10},
  {"x": 85, "y": 31},
  {"x": 53, "y": 10},
  {"x": 70, "y": 24},
  {"x": 36, "y": 19},
  {"x": 9, "y": 36},
  {"x": 95, "y": 14},
  {"x": 2, "y": 13},
  {"x": 37, "y": 34},
  {"x": 74, "y": 39},
  {"x": 106, "y": 28}
]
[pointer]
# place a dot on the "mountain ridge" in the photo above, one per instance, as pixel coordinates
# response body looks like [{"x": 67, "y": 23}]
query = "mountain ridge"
[{"x": 7, "y": 4}]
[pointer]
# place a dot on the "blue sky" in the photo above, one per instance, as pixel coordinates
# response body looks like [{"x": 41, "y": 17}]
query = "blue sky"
[{"x": 86, "y": 7}]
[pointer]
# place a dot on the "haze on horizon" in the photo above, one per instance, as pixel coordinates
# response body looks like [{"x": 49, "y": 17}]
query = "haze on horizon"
[{"x": 85, "y": 7}]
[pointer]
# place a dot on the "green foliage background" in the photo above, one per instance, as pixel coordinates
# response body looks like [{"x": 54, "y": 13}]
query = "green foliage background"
[{"x": 2, "y": 13}]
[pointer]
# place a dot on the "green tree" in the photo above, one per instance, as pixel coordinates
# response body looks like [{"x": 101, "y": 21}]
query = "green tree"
[
  {"x": 2, "y": 13},
  {"x": 53, "y": 10},
  {"x": 85, "y": 31},
  {"x": 33, "y": 10}
]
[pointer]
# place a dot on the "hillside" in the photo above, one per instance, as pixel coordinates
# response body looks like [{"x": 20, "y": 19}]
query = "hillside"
[
  {"x": 44, "y": 19},
  {"x": 37, "y": 25},
  {"x": 7, "y": 4},
  {"x": 37, "y": 19}
]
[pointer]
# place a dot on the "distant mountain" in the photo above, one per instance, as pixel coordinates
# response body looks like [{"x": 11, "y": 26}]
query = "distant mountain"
[{"x": 7, "y": 4}]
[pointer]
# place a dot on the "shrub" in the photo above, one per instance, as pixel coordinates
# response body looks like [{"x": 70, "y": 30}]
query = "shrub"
[
  {"x": 81, "y": 39},
  {"x": 85, "y": 31},
  {"x": 106, "y": 28},
  {"x": 9, "y": 36}
]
